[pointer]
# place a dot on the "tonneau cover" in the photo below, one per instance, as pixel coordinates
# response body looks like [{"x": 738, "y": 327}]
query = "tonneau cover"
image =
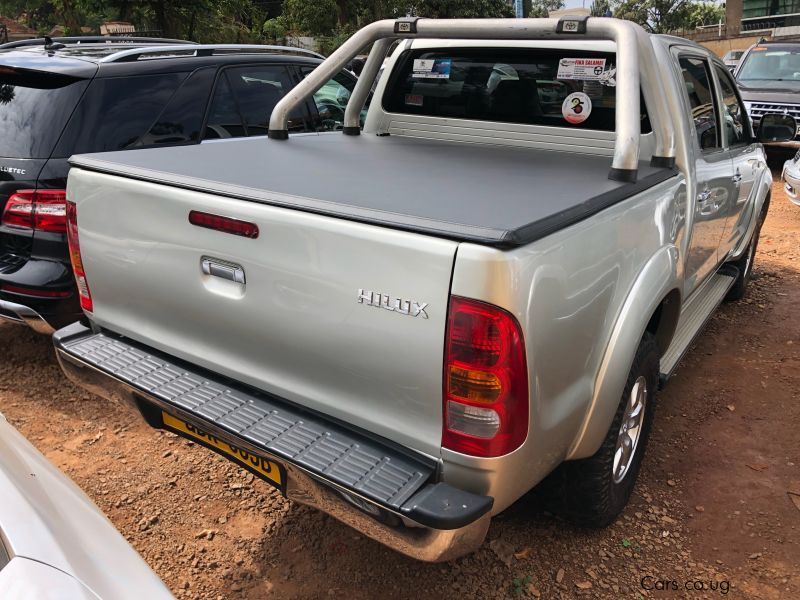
[{"x": 468, "y": 192}]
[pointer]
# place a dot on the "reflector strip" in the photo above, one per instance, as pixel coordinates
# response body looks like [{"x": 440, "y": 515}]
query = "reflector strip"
[
  {"x": 224, "y": 224},
  {"x": 15, "y": 289}
]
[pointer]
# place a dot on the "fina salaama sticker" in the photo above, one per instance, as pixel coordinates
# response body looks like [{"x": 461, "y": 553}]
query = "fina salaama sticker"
[
  {"x": 576, "y": 108},
  {"x": 587, "y": 69}
]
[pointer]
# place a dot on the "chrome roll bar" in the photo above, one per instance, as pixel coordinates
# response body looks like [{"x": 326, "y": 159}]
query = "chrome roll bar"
[{"x": 634, "y": 56}]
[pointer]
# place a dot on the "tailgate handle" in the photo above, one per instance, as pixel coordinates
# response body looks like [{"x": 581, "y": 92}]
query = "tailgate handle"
[{"x": 223, "y": 269}]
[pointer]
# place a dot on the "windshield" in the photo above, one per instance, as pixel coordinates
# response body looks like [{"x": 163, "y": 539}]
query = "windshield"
[
  {"x": 33, "y": 111},
  {"x": 765, "y": 64}
]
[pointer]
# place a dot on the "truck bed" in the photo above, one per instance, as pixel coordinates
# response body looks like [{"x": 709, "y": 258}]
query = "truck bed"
[{"x": 485, "y": 194}]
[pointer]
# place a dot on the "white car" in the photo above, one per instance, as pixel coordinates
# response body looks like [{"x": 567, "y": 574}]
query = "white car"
[
  {"x": 791, "y": 179},
  {"x": 54, "y": 542}
]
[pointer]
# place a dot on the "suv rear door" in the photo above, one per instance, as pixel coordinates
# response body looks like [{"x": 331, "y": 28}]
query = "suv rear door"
[
  {"x": 34, "y": 108},
  {"x": 244, "y": 97}
]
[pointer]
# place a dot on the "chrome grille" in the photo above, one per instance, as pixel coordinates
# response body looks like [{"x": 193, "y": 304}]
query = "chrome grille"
[{"x": 759, "y": 109}]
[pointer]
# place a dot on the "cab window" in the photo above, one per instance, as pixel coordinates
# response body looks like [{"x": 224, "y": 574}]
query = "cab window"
[
  {"x": 331, "y": 101},
  {"x": 697, "y": 83},
  {"x": 243, "y": 101},
  {"x": 734, "y": 116},
  {"x": 510, "y": 85}
]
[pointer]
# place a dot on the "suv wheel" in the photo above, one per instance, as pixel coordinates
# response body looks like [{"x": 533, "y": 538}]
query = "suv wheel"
[{"x": 595, "y": 490}]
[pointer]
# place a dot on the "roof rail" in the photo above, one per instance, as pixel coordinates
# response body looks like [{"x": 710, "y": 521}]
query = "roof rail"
[
  {"x": 153, "y": 52},
  {"x": 635, "y": 59},
  {"x": 96, "y": 39}
]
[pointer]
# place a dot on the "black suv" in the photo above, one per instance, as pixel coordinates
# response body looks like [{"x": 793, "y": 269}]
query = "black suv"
[
  {"x": 768, "y": 76},
  {"x": 65, "y": 97}
]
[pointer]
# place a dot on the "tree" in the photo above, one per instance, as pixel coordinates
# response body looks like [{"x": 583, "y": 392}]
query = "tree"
[
  {"x": 657, "y": 16},
  {"x": 542, "y": 8},
  {"x": 601, "y": 8},
  {"x": 705, "y": 13},
  {"x": 316, "y": 18}
]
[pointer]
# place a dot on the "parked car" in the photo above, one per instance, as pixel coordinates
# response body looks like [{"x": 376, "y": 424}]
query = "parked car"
[
  {"x": 54, "y": 542},
  {"x": 732, "y": 58},
  {"x": 493, "y": 296},
  {"x": 769, "y": 80},
  {"x": 791, "y": 178},
  {"x": 73, "y": 97}
]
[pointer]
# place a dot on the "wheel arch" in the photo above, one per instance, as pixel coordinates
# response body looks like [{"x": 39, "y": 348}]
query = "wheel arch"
[{"x": 652, "y": 304}]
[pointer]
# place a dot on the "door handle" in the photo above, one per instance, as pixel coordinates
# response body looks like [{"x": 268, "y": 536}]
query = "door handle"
[{"x": 222, "y": 269}]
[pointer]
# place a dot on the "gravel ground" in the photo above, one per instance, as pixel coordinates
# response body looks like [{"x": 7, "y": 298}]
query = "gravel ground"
[{"x": 717, "y": 504}]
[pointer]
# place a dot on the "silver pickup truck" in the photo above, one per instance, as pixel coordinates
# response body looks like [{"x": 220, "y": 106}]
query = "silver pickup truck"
[{"x": 410, "y": 325}]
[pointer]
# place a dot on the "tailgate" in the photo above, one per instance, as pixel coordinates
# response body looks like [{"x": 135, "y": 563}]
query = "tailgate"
[{"x": 296, "y": 327}]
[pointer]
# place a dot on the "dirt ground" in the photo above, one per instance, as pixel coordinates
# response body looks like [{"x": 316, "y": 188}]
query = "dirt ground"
[{"x": 716, "y": 511}]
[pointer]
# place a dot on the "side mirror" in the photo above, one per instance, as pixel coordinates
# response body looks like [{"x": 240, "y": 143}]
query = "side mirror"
[{"x": 776, "y": 127}]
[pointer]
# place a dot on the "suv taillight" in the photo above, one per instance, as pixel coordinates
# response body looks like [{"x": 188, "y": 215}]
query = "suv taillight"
[
  {"x": 485, "y": 380},
  {"x": 75, "y": 256},
  {"x": 42, "y": 210}
]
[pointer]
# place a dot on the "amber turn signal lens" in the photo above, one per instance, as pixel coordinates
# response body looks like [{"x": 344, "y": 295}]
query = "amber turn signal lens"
[{"x": 474, "y": 385}]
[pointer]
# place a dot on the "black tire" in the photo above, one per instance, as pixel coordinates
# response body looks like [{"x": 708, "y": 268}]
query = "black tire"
[
  {"x": 745, "y": 263},
  {"x": 589, "y": 494}
]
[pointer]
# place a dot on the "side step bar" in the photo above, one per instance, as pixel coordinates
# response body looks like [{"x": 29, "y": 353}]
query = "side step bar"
[
  {"x": 694, "y": 316},
  {"x": 320, "y": 462}
]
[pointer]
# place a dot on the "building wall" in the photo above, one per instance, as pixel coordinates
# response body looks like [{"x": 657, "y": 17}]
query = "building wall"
[{"x": 721, "y": 47}]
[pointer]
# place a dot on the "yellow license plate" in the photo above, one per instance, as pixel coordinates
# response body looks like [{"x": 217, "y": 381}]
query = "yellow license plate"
[{"x": 270, "y": 471}]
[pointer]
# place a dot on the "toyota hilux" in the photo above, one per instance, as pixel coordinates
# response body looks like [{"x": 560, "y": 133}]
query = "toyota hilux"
[{"x": 411, "y": 325}]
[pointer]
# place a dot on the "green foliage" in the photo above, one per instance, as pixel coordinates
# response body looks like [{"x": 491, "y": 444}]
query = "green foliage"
[
  {"x": 275, "y": 29},
  {"x": 542, "y": 8},
  {"x": 319, "y": 17},
  {"x": 705, "y": 13},
  {"x": 457, "y": 9},
  {"x": 600, "y": 7},
  {"x": 663, "y": 16},
  {"x": 520, "y": 584},
  {"x": 330, "y": 20},
  {"x": 328, "y": 44}
]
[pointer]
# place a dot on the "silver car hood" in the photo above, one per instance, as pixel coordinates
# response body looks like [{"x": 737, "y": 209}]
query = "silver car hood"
[{"x": 46, "y": 518}]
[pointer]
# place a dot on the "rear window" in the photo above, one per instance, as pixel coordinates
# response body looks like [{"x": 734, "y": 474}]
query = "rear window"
[
  {"x": 33, "y": 111},
  {"x": 536, "y": 86}
]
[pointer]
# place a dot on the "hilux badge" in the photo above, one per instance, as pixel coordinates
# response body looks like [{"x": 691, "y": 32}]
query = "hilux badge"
[{"x": 404, "y": 307}]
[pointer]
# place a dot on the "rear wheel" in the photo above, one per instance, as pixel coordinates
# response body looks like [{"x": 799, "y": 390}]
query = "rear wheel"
[
  {"x": 745, "y": 263},
  {"x": 595, "y": 490}
]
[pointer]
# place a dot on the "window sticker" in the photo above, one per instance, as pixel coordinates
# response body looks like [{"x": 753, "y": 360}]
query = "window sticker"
[
  {"x": 587, "y": 69},
  {"x": 576, "y": 108},
  {"x": 414, "y": 100},
  {"x": 432, "y": 68},
  {"x": 609, "y": 78}
]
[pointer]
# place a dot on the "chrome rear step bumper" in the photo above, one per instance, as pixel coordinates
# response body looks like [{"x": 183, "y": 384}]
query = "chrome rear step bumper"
[
  {"x": 380, "y": 489},
  {"x": 19, "y": 313}
]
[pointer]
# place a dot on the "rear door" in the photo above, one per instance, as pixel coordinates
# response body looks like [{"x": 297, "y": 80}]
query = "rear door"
[
  {"x": 243, "y": 99},
  {"x": 34, "y": 109},
  {"x": 747, "y": 166},
  {"x": 714, "y": 188},
  {"x": 330, "y": 101}
]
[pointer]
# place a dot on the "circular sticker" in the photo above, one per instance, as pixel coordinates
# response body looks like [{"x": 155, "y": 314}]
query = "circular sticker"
[{"x": 576, "y": 108}]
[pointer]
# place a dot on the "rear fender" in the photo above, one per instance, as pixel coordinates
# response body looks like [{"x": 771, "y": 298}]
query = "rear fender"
[{"x": 656, "y": 280}]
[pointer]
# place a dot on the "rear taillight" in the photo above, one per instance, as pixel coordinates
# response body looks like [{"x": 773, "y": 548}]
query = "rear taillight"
[
  {"x": 75, "y": 256},
  {"x": 485, "y": 380},
  {"x": 42, "y": 210}
]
